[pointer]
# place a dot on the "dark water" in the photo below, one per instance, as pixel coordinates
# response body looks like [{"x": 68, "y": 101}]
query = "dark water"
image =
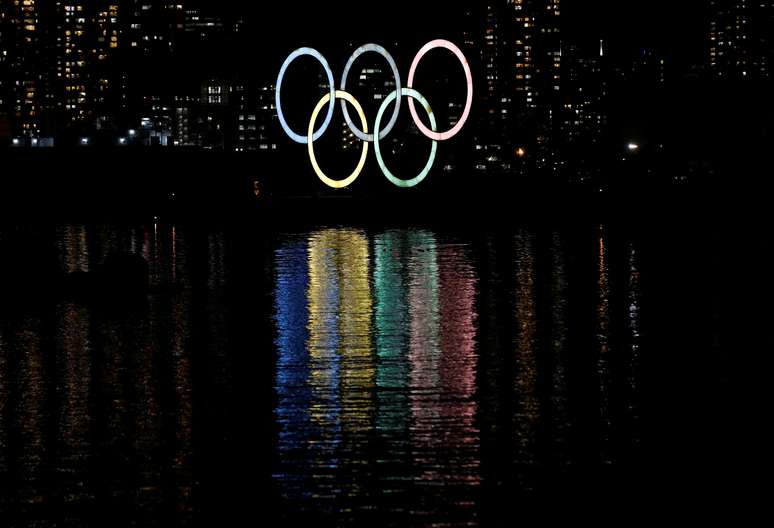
[{"x": 351, "y": 377}]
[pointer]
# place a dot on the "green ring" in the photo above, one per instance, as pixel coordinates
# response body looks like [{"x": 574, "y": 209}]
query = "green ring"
[{"x": 405, "y": 92}]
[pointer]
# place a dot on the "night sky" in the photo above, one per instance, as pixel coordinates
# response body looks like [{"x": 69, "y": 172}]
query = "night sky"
[{"x": 675, "y": 30}]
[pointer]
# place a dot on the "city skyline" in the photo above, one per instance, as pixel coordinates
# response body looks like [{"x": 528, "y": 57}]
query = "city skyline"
[{"x": 550, "y": 75}]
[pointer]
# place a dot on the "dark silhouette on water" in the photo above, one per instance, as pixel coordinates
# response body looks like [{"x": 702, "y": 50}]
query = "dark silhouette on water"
[{"x": 32, "y": 278}]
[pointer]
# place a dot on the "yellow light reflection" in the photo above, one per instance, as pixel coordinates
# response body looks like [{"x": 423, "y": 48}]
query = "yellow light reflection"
[
  {"x": 342, "y": 363},
  {"x": 528, "y": 409},
  {"x": 342, "y": 373}
]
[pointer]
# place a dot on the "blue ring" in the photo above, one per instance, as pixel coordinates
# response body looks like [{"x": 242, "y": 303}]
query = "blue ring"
[{"x": 298, "y": 138}]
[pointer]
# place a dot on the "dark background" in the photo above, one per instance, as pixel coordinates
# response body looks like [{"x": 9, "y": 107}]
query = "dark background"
[{"x": 677, "y": 29}]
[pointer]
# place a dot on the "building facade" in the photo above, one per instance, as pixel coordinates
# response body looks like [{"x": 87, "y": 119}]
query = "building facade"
[{"x": 741, "y": 38}]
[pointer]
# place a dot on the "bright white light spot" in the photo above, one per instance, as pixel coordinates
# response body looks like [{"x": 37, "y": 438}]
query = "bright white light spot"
[
  {"x": 84, "y": 141},
  {"x": 633, "y": 147}
]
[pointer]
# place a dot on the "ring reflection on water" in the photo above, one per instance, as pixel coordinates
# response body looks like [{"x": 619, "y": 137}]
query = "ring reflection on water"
[
  {"x": 401, "y": 377},
  {"x": 379, "y": 362}
]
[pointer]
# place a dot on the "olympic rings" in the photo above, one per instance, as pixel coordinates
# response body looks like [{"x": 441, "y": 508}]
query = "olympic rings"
[
  {"x": 337, "y": 184},
  {"x": 379, "y": 133},
  {"x": 375, "y": 48},
  {"x": 411, "y": 93}
]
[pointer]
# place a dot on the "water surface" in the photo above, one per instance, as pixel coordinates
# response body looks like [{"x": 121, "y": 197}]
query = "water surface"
[{"x": 353, "y": 376}]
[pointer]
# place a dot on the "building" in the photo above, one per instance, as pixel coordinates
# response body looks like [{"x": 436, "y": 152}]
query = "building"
[
  {"x": 212, "y": 130},
  {"x": 105, "y": 80},
  {"x": 255, "y": 124},
  {"x": 267, "y": 121},
  {"x": 150, "y": 33},
  {"x": 741, "y": 37},
  {"x": 151, "y": 26},
  {"x": 6, "y": 90},
  {"x": 583, "y": 113},
  {"x": 23, "y": 53},
  {"x": 535, "y": 53},
  {"x": 83, "y": 69},
  {"x": 73, "y": 57},
  {"x": 484, "y": 42},
  {"x": 202, "y": 25},
  {"x": 244, "y": 100},
  {"x": 184, "y": 121},
  {"x": 521, "y": 66}
]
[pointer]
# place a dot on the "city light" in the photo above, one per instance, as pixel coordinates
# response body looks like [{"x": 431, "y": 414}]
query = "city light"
[{"x": 535, "y": 81}]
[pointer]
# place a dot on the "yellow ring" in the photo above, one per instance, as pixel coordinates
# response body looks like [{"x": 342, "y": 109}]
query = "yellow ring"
[{"x": 337, "y": 184}]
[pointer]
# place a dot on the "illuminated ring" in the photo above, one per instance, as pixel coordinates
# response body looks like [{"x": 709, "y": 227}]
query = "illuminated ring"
[
  {"x": 412, "y": 94},
  {"x": 375, "y": 48},
  {"x": 337, "y": 184},
  {"x": 441, "y": 136},
  {"x": 293, "y": 56}
]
